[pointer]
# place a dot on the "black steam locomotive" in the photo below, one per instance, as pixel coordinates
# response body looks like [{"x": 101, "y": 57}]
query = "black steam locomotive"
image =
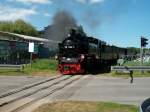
[{"x": 78, "y": 53}]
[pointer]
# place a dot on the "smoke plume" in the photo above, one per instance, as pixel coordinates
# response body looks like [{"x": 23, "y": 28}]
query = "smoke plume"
[
  {"x": 58, "y": 30},
  {"x": 92, "y": 19}
]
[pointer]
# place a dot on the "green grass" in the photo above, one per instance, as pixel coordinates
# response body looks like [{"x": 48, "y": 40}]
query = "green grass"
[
  {"x": 39, "y": 67},
  {"x": 83, "y": 106},
  {"x": 131, "y": 63},
  {"x": 135, "y": 63},
  {"x": 10, "y": 72}
]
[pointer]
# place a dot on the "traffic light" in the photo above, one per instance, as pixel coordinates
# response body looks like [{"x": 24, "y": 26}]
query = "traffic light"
[{"x": 144, "y": 41}]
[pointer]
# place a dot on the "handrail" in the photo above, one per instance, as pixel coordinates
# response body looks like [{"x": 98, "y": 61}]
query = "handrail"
[
  {"x": 130, "y": 68},
  {"x": 8, "y": 66}
]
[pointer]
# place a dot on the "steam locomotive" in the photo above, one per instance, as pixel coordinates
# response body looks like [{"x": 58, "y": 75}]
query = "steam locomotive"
[{"x": 78, "y": 53}]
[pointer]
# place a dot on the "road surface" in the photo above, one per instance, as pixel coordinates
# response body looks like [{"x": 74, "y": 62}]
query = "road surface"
[
  {"x": 119, "y": 90},
  {"x": 88, "y": 88}
]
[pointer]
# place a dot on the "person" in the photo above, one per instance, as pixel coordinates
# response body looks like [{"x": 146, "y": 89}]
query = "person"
[{"x": 131, "y": 75}]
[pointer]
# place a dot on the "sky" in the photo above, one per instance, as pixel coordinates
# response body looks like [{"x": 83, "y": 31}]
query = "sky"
[{"x": 118, "y": 22}]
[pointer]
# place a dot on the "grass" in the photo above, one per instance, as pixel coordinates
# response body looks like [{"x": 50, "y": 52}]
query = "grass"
[
  {"x": 39, "y": 67},
  {"x": 10, "y": 72},
  {"x": 42, "y": 65},
  {"x": 82, "y": 106},
  {"x": 135, "y": 63}
]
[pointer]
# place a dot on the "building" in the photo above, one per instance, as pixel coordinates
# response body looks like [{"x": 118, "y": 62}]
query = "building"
[{"x": 14, "y": 48}]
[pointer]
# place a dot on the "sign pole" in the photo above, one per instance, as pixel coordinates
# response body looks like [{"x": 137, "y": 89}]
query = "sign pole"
[
  {"x": 31, "y": 50},
  {"x": 30, "y": 59},
  {"x": 141, "y": 56}
]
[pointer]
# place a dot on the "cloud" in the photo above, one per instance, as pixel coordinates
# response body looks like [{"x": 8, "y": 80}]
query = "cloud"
[
  {"x": 9, "y": 13},
  {"x": 96, "y": 1},
  {"x": 47, "y": 14},
  {"x": 90, "y": 1},
  {"x": 82, "y": 1},
  {"x": 33, "y": 1}
]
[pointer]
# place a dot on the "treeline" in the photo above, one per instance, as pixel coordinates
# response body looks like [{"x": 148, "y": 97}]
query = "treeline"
[
  {"x": 134, "y": 49},
  {"x": 137, "y": 50},
  {"x": 18, "y": 26}
]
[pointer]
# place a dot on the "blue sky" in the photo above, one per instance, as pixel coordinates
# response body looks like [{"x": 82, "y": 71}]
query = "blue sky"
[{"x": 118, "y": 22}]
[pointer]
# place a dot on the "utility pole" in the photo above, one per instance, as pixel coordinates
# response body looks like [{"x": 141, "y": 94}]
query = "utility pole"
[{"x": 143, "y": 44}]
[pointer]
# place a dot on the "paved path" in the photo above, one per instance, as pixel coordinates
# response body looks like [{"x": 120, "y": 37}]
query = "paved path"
[
  {"x": 92, "y": 88},
  {"x": 118, "y": 90}
]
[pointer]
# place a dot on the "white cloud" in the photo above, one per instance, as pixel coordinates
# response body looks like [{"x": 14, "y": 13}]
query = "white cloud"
[
  {"x": 82, "y": 1},
  {"x": 8, "y": 13},
  {"x": 33, "y": 1},
  {"x": 47, "y": 14},
  {"x": 96, "y": 1},
  {"x": 90, "y": 1}
]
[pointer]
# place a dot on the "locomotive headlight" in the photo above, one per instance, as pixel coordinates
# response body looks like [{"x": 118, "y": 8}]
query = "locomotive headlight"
[
  {"x": 68, "y": 35},
  {"x": 82, "y": 56},
  {"x": 68, "y": 59},
  {"x": 69, "y": 46}
]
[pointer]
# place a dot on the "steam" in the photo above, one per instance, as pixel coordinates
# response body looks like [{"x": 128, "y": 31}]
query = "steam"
[{"x": 91, "y": 19}]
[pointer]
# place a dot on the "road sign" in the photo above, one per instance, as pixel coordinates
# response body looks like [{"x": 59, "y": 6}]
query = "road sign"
[{"x": 31, "y": 47}]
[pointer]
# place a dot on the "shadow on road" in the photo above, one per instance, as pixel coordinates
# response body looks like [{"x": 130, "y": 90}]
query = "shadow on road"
[{"x": 100, "y": 70}]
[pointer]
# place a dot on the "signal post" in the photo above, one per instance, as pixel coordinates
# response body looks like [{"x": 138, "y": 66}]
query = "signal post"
[{"x": 143, "y": 45}]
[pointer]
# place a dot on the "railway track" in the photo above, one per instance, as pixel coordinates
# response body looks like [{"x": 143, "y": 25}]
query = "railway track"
[
  {"x": 27, "y": 87},
  {"x": 18, "y": 100}
]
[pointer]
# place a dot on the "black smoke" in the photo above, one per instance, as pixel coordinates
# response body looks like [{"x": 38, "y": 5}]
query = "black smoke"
[{"x": 62, "y": 22}]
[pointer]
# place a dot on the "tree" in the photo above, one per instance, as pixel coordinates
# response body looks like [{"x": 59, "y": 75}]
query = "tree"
[
  {"x": 134, "y": 49},
  {"x": 6, "y": 26},
  {"x": 18, "y": 26}
]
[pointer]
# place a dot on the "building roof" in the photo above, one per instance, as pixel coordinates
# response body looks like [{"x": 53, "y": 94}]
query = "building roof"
[{"x": 19, "y": 37}]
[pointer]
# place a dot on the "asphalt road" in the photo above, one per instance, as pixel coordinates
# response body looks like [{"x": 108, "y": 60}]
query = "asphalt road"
[{"x": 91, "y": 88}]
